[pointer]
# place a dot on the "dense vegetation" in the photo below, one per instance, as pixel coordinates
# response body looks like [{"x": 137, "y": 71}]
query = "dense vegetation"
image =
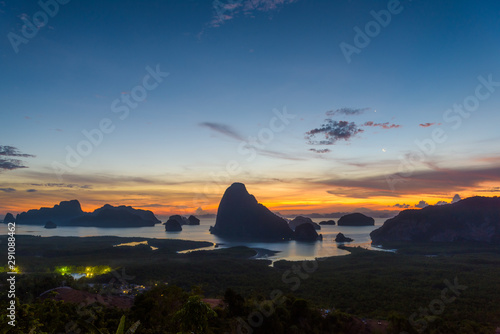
[{"x": 447, "y": 292}]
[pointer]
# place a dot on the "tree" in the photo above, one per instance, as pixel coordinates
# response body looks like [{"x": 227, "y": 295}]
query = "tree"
[{"x": 194, "y": 316}]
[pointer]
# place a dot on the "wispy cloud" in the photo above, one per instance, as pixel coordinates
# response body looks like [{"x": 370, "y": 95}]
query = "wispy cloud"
[
  {"x": 385, "y": 125},
  {"x": 158, "y": 205},
  {"x": 325, "y": 150},
  {"x": 228, "y": 131},
  {"x": 360, "y": 192},
  {"x": 8, "y": 163},
  {"x": 278, "y": 155},
  {"x": 7, "y": 190},
  {"x": 490, "y": 190},
  {"x": 223, "y": 129},
  {"x": 426, "y": 125},
  {"x": 11, "y": 151},
  {"x": 88, "y": 181},
  {"x": 226, "y": 10},
  {"x": 62, "y": 185},
  {"x": 332, "y": 131},
  {"x": 401, "y": 206},
  {"x": 347, "y": 111},
  {"x": 31, "y": 190},
  {"x": 420, "y": 182}
]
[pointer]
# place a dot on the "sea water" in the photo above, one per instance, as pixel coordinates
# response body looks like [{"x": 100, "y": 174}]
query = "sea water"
[{"x": 288, "y": 250}]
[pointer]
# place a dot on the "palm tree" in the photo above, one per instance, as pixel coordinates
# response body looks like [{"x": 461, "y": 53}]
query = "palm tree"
[{"x": 121, "y": 327}]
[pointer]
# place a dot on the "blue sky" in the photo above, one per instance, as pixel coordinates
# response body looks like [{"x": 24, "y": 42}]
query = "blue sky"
[{"x": 231, "y": 66}]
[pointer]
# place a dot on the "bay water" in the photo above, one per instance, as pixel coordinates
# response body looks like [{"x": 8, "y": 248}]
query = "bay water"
[{"x": 287, "y": 250}]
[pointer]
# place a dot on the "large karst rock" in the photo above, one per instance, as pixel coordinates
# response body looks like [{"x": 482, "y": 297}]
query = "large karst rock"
[
  {"x": 9, "y": 218},
  {"x": 146, "y": 215},
  {"x": 60, "y": 214},
  {"x": 472, "y": 219},
  {"x": 306, "y": 232},
  {"x": 119, "y": 216},
  {"x": 50, "y": 224},
  {"x": 193, "y": 220},
  {"x": 299, "y": 220},
  {"x": 241, "y": 216},
  {"x": 69, "y": 213},
  {"x": 342, "y": 238},
  {"x": 180, "y": 219},
  {"x": 356, "y": 219},
  {"x": 327, "y": 222},
  {"x": 173, "y": 225}
]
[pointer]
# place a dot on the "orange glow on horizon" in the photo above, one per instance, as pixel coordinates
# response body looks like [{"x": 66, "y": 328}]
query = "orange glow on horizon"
[{"x": 285, "y": 198}]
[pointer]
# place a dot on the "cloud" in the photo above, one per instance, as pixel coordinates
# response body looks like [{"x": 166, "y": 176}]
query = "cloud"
[
  {"x": 7, "y": 190},
  {"x": 11, "y": 151},
  {"x": 62, "y": 185},
  {"x": 84, "y": 180},
  {"x": 158, "y": 205},
  {"x": 333, "y": 131},
  {"x": 491, "y": 190},
  {"x": 228, "y": 131},
  {"x": 455, "y": 199},
  {"x": 419, "y": 182},
  {"x": 347, "y": 111},
  {"x": 199, "y": 211},
  {"x": 325, "y": 150},
  {"x": 224, "y": 12},
  {"x": 278, "y": 155},
  {"x": 361, "y": 193},
  {"x": 9, "y": 163},
  {"x": 31, "y": 190},
  {"x": 265, "y": 5},
  {"x": 386, "y": 125},
  {"x": 421, "y": 204},
  {"x": 401, "y": 206},
  {"x": 223, "y": 129},
  {"x": 426, "y": 125}
]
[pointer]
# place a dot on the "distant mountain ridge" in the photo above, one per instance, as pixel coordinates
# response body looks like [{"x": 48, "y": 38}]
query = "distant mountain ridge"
[
  {"x": 338, "y": 214},
  {"x": 70, "y": 213},
  {"x": 61, "y": 214},
  {"x": 471, "y": 219}
]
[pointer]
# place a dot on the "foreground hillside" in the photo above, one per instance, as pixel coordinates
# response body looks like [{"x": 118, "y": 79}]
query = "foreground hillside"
[{"x": 363, "y": 285}]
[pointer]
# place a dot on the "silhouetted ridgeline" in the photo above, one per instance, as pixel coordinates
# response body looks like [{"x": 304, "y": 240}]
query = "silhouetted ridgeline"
[
  {"x": 69, "y": 213},
  {"x": 471, "y": 219}
]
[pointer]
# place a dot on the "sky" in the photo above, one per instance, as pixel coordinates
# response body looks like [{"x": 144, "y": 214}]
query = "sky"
[{"x": 317, "y": 106}]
